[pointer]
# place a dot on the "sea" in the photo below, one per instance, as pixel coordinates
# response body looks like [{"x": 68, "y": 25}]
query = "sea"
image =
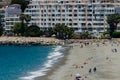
[{"x": 28, "y": 62}]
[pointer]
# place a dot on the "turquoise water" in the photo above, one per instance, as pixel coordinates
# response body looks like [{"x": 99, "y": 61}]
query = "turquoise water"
[{"x": 27, "y": 62}]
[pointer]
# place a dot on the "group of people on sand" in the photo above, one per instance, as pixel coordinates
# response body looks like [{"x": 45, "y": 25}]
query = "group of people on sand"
[
  {"x": 114, "y": 50},
  {"x": 91, "y": 70},
  {"x": 94, "y": 70},
  {"x": 78, "y": 77}
]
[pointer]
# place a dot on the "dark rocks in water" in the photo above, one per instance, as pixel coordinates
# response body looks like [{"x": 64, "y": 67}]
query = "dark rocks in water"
[{"x": 29, "y": 43}]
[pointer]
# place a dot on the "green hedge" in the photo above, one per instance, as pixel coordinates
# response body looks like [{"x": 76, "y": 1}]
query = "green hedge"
[{"x": 116, "y": 35}]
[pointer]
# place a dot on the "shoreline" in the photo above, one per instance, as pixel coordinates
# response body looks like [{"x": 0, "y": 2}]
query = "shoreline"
[{"x": 55, "y": 66}]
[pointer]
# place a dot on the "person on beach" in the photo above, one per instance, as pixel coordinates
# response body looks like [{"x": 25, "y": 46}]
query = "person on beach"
[
  {"x": 115, "y": 50},
  {"x": 94, "y": 69},
  {"x": 90, "y": 70},
  {"x": 81, "y": 46}
]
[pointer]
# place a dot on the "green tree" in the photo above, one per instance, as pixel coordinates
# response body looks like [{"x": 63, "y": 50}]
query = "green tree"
[
  {"x": 49, "y": 32},
  {"x": 27, "y": 18},
  {"x": 1, "y": 26},
  {"x": 62, "y": 31},
  {"x": 23, "y": 18},
  {"x": 1, "y": 31},
  {"x": 33, "y": 31},
  {"x": 85, "y": 35},
  {"x": 23, "y": 3},
  {"x": 116, "y": 35},
  {"x": 113, "y": 21},
  {"x": 18, "y": 28}
]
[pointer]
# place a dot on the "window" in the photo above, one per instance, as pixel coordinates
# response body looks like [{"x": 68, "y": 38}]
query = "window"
[
  {"x": 75, "y": 10},
  {"x": 89, "y": 19},
  {"x": 63, "y": 19},
  {"x": 63, "y": 15},
  {"x": 70, "y": 6},
  {"x": 44, "y": 14},
  {"x": 70, "y": 24},
  {"x": 53, "y": 23},
  {"x": 89, "y": 10},
  {"x": 53, "y": 19},
  {"x": 79, "y": 6},
  {"x": 75, "y": 5},
  {"x": 53, "y": 15},
  {"x": 70, "y": 10},
  {"x": 75, "y": 24},
  {"x": 82, "y": 14},
  {"x": 58, "y": 15},
  {"x": 89, "y": 14},
  {"x": 70, "y": 14},
  {"x": 83, "y": 24},
  {"x": 75, "y": 15},
  {"x": 63, "y": 10},
  {"x": 83, "y": 19},
  {"x": 98, "y": 24},
  {"x": 70, "y": 19}
]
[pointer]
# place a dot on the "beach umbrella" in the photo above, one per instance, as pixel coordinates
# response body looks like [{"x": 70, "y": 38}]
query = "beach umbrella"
[{"x": 77, "y": 75}]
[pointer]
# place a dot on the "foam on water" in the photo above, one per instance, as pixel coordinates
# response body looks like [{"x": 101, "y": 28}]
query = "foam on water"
[{"x": 51, "y": 59}]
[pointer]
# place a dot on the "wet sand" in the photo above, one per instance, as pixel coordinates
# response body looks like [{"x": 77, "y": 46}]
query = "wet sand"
[{"x": 80, "y": 60}]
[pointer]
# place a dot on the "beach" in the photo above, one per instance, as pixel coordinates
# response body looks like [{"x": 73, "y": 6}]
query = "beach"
[
  {"x": 96, "y": 59},
  {"x": 100, "y": 54}
]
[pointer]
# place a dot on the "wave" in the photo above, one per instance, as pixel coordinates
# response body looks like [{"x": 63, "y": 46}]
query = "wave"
[{"x": 52, "y": 58}]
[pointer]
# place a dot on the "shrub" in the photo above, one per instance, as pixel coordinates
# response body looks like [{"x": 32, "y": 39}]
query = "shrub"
[{"x": 116, "y": 35}]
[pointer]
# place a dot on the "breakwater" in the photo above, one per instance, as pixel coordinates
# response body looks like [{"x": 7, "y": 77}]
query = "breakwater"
[{"x": 30, "y": 41}]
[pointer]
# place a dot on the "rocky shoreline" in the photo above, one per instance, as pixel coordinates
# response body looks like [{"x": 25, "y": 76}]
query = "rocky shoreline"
[{"x": 30, "y": 41}]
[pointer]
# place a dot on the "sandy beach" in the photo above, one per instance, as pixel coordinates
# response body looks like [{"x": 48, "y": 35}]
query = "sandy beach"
[{"x": 100, "y": 55}]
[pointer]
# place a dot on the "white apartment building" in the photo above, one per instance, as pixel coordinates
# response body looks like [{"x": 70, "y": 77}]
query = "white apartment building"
[
  {"x": 2, "y": 16},
  {"x": 81, "y": 15},
  {"x": 10, "y": 15}
]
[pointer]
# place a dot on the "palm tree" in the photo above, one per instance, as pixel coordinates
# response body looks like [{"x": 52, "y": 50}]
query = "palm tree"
[
  {"x": 27, "y": 19},
  {"x": 1, "y": 25},
  {"x": 23, "y": 18}
]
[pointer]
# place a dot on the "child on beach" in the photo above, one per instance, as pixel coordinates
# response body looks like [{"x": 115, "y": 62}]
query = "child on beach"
[{"x": 90, "y": 70}]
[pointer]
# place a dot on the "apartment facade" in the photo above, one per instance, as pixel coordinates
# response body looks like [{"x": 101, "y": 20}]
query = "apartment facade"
[
  {"x": 2, "y": 16},
  {"x": 81, "y": 15},
  {"x": 12, "y": 13}
]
